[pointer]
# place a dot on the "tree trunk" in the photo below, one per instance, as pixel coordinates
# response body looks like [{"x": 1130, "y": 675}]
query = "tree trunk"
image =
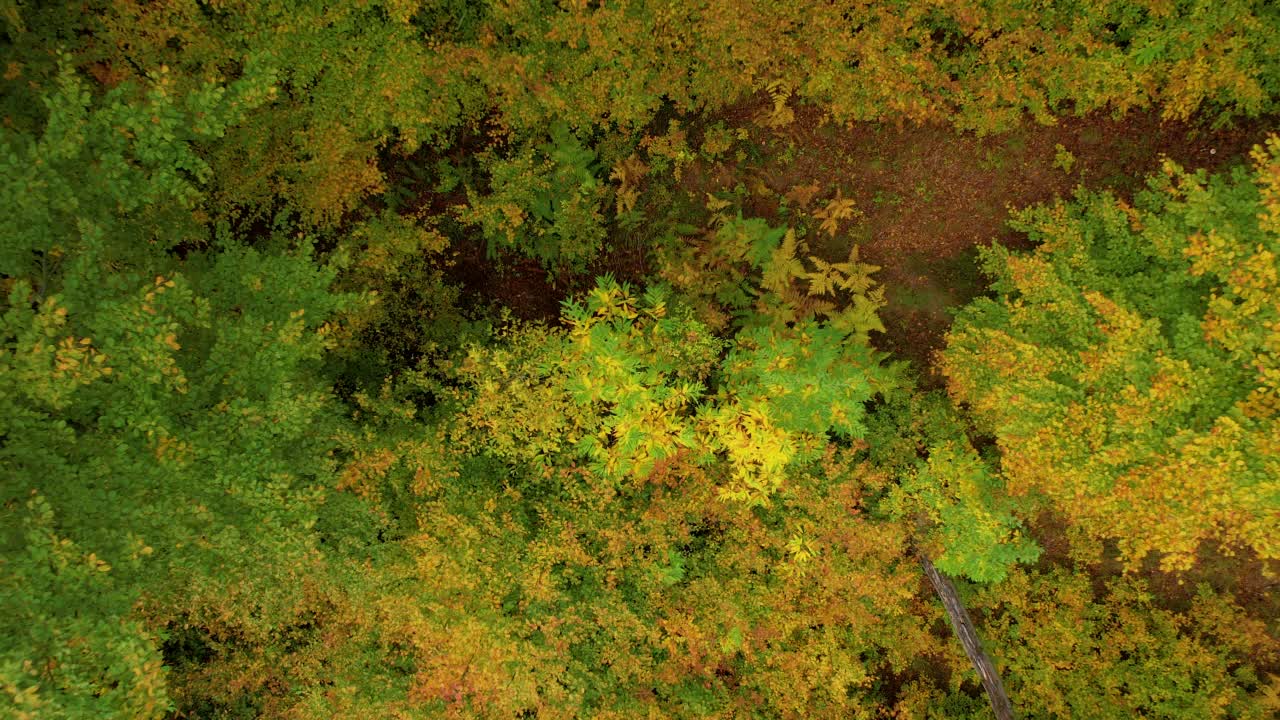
[{"x": 963, "y": 627}]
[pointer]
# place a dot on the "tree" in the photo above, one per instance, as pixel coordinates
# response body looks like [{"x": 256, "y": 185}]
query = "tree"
[
  {"x": 1127, "y": 367},
  {"x": 1072, "y": 648},
  {"x": 165, "y": 425},
  {"x": 629, "y": 383}
]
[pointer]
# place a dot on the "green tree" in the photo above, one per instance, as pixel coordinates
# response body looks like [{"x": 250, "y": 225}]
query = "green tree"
[
  {"x": 166, "y": 429},
  {"x": 953, "y": 497}
]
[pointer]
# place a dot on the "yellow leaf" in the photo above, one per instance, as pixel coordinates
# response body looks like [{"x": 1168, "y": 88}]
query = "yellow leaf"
[{"x": 837, "y": 209}]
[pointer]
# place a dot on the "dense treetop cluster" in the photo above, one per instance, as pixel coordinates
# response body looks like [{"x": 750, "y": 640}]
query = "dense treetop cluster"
[{"x": 266, "y": 450}]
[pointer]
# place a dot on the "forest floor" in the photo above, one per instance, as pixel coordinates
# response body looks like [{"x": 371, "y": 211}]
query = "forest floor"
[
  {"x": 926, "y": 196},
  {"x": 929, "y": 196}
]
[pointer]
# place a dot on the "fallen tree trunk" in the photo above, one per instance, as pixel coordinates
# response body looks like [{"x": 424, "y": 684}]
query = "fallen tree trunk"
[{"x": 963, "y": 627}]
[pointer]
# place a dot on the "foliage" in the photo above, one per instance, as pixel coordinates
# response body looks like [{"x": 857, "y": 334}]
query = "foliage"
[
  {"x": 263, "y": 455},
  {"x": 557, "y": 590},
  {"x": 629, "y": 380},
  {"x": 1063, "y": 158},
  {"x": 1127, "y": 369},
  {"x": 77, "y": 653},
  {"x": 1071, "y": 651},
  {"x": 186, "y": 454},
  {"x": 544, "y": 201},
  {"x": 119, "y": 171},
  {"x": 410, "y": 312},
  {"x": 758, "y": 274},
  {"x": 965, "y": 522},
  {"x": 354, "y": 79},
  {"x": 163, "y": 422}
]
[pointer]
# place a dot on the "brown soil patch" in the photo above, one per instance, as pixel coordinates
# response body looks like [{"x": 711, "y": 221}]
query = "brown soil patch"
[
  {"x": 528, "y": 290},
  {"x": 929, "y": 195}
]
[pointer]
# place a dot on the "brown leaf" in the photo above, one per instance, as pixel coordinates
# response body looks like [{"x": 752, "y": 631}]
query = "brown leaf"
[{"x": 802, "y": 195}]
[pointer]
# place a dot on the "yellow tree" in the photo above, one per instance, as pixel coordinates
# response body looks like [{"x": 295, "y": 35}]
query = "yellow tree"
[{"x": 1130, "y": 367}]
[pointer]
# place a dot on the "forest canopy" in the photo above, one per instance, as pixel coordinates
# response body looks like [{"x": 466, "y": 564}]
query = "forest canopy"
[{"x": 442, "y": 358}]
